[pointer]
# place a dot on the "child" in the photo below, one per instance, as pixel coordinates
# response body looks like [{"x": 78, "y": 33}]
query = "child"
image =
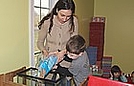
[
  {"x": 77, "y": 60},
  {"x": 132, "y": 77},
  {"x": 116, "y": 74}
]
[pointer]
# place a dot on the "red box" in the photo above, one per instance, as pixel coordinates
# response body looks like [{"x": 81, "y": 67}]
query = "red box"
[{"x": 98, "y": 81}]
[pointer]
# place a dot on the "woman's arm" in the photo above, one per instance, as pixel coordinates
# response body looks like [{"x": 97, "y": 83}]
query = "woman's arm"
[{"x": 42, "y": 34}]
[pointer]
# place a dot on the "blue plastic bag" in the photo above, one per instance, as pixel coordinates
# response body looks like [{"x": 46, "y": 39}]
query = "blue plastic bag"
[{"x": 47, "y": 64}]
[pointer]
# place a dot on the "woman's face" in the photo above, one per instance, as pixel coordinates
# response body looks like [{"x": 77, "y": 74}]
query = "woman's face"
[{"x": 64, "y": 15}]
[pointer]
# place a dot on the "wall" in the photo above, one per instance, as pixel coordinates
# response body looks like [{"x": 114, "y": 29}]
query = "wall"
[
  {"x": 119, "y": 30},
  {"x": 14, "y": 48},
  {"x": 84, "y": 11},
  {"x": 14, "y": 29}
]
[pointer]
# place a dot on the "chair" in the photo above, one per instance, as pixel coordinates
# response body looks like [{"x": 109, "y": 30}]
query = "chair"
[
  {"x": 1, "y": 79},
  {"x": 85, "y": 82},
  {"x": 10, "y": 75}
]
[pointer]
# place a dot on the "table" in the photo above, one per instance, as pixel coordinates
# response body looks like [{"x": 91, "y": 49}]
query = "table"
[{"x": 32, "y": 79}]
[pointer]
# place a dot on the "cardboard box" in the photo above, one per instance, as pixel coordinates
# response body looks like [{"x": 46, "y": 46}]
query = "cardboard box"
[{"x": 98, "y": 19}]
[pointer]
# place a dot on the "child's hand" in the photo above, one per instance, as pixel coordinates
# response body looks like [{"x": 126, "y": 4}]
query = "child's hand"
[
  {"x": 122, "y": 73},
  {"x": 43, "y": 72},
  {"x": 111, "y": 75}
]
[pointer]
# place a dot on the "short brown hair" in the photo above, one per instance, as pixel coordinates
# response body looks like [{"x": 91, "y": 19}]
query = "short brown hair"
[{"x": 76, "y": 44}]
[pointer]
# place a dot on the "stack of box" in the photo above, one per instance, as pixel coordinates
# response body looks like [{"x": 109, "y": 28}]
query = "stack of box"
[
  {"x": 92, "y": 55},
  {"x": 96, "y": 37},
  {"x": 106, "y": 66}
]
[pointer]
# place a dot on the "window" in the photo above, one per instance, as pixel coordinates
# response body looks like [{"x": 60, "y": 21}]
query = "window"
[
  {"x": 37, "y": 10},
  {"x": 41, "y": 8}
]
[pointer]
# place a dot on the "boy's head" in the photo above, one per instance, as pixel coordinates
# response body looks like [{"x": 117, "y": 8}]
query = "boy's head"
[
  {"x": 116, "y": 71},
  {"x": 75, "y": 46},
  {"x": 132, "y": 74}
]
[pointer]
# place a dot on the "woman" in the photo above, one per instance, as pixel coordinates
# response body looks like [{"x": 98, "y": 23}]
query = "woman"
[{"x": 57, "y": 27}]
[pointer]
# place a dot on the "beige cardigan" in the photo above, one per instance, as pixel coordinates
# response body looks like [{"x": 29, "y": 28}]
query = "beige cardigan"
[{"x": 59, "y": 35}]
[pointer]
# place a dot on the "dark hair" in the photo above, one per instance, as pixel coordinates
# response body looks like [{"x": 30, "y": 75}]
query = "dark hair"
[
  {"x": 115, "y": 69},
  {"x": 61, "y": 4},
  {"x": 76, "y": 44},
  {"x": 132, "y": 72}
]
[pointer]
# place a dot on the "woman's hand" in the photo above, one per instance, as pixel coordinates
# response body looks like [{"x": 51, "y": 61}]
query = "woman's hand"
[
  {"x": 45, "y": 53},
  {"x": 59, "y": 54}
]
